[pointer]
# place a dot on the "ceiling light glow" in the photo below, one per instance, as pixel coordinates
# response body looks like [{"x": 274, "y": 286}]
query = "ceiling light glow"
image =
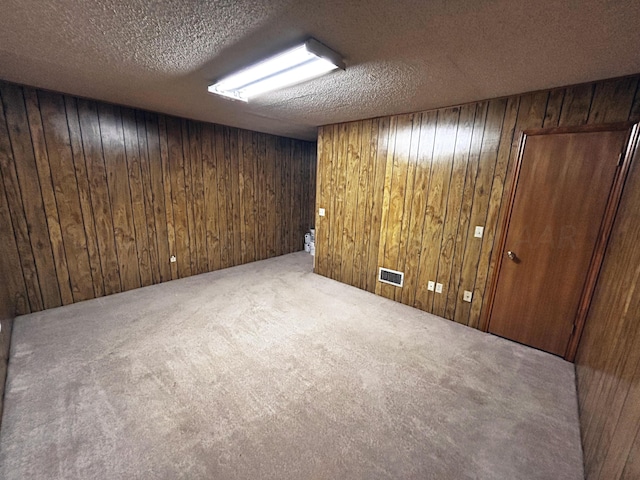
[{"x": 296, "y": 65}]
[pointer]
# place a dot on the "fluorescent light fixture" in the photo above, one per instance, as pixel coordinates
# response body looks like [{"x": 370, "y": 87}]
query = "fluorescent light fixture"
[{"x": 296, "y": 65}]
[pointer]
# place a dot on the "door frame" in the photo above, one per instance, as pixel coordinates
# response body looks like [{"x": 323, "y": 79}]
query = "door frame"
[{"x": 630, "y": 150}]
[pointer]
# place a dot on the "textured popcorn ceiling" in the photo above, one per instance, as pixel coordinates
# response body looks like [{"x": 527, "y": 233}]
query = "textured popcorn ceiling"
[{"x": 401, "y": 55}]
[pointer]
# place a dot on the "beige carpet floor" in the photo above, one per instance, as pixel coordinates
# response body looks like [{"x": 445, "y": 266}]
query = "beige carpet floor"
[{"x": 268, "y": 371}]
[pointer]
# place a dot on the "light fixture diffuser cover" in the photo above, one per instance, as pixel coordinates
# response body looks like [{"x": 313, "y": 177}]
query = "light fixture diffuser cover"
[{"x": 295, "y": 65}]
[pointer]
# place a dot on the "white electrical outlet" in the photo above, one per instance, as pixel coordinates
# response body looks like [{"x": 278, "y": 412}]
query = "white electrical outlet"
[
  {"x": 479, "y": 231},
  {"x": 321, "y": 212},
  {"x": 467, "y": 296},
  {"x": 431, "y": 286},
  {"x": 173, "y": 259},
  {"x": 438, "y": 288}
]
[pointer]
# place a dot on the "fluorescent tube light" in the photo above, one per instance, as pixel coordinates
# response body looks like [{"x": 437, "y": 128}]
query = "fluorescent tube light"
[{"x": 296, "y": 65}]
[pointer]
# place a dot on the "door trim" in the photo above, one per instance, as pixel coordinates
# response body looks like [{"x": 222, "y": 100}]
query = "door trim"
[{"x": 629, "y": 152}]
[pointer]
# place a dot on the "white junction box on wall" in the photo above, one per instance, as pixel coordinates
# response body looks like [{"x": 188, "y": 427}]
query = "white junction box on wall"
[
  {"x": 431, "y": 286},
  {"x": 467, "y": 296}
]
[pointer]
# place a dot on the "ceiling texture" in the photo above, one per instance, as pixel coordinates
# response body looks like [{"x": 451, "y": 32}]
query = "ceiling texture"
[{"x": 401, "y": 55}]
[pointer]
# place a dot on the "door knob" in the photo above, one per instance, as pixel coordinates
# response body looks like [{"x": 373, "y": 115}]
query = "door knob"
[{"x": 511, "y": 255}]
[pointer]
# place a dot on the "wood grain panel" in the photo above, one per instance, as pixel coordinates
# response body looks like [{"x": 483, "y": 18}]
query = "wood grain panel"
[
  {"x": 132, "y": 161},
  {"x": 408, "y": 198},
  {"x": 11, "y": 301},
  {"x": 48, "y": 196},
  {"x": 231, "y": 140},
  {"x": 118, "y": 182},
  {"x": 212, "y": 209},
  {"x": 56, "y": 132},
  {"x": 79, "y": 163},
  {"x": 454, "y": 202},
  {"x": 463, "y": 181},
  {"x": 436, "y": 211},
  {"x": 456, "y": 289},
  {"x": 351, "y": 200},
  {"x": 15, "y": 300},
  {"x": 363, "y": 214},
  {"x": 96, "y": 198},
  {"x": 382, "y": 289},
  {"x": 156, "y": 194},
  {"x": 608, "y": 358},
  {"x": 18, "y": 216},
  {"x": 27, "y": 174},
  {"x": 424, "y": 158},
  {"x": 148, "y": 197},
  {"x": 168, "y": 196}
]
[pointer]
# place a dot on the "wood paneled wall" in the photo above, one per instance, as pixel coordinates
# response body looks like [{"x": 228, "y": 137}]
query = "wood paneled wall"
[
  {"x": 406, "y": 192},
  {"x": 95, "y": 198},
  {"x": 608, "y": 359},
  {"x": 6, "y": 323}
]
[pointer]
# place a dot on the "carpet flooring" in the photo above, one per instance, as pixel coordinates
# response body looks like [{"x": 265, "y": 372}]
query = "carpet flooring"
[{"x": 268, "y": 371}]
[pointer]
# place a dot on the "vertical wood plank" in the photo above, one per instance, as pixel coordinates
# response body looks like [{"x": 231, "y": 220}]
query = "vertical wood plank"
[
  {"x": 386, "y": 201},
  {"x": 136, "y": 193},
  {"x": 362, "y": 215},
  {"x": 223, "y": 162},
  {"x": 235, "y": 157},
  {"x": 446, "y": 132},
  {"x": 48, "y": 196},
  {"x": 323, "y": 187},
  {"x": 197, "y": 198},
  {"x": 426, "y": 142},
  {"x": 178, "y": 196},
  {"x": 189, "y": 196},
  {"x": 248, "y": 217},
  {"x": 575, "y": 107},
  {"x": 456, "y": 287},
  {"x": 56, "y": 132},
  {"x": 159, "y": 194},
  {"x": 272, "y": 213},
  {"x": 397, "y": 193},
  {"x": 261, "y": 185},
  {"x": 119, "y": 194},
  {"x": 405, "y": 225},
  {"x": 31, "y": 196},
  {"x": 368, "y": 231},
  {"x": 148, "y": 196},
  {"x": 481, "y": 197},
  {"x": 554, "y": 107},
  {"x": 82, "y": 179},
  {"x": 612, "y": 100},
  {"x": 288, "y": 198},
  {"x": 13, "y": 278},
  {"x": 377, "y": 206},
  {"x": 17, "y": 213},
  {"x": 340, "y": 147},
  {"x": 100, "y": 201},
  {"x": 212, "y": 211},
  {"x": 453, "y": 208},
  {"x": 349, "y": 206}
]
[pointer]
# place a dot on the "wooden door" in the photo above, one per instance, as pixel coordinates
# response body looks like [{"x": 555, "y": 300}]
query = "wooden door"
[{"x": 554, "y": 229}]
